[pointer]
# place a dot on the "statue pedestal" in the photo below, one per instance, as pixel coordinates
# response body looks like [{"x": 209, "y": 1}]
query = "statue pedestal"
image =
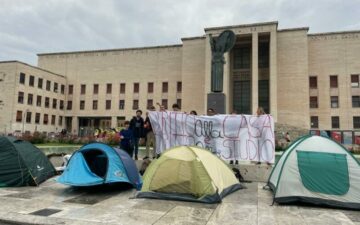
[{"x": 217, "y": 102}]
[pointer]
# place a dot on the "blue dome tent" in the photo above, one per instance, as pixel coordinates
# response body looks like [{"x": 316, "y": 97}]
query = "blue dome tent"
[{"x": 98, "y": 163}]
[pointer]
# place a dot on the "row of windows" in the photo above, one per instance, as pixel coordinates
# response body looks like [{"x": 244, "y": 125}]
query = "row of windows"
[
  {"x": 27, "y": 117},
  {"x": 334, "y": 81},
  {"x": 334, "y": 102},
  {"x": 135, "y": 104},
  {"x": 40, "y": 83},
  {"x": 30, "y": 101},
  {"x": 335, "y": 122},
  {"x": 136, "y": 88}
]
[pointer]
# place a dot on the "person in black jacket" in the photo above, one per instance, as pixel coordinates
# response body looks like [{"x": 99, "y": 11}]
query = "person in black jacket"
[{"x": 137, "y": 126}]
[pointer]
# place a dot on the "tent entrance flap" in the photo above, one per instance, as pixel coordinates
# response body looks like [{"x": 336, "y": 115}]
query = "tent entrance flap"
[
  {"x": 80, "y": 174},
  {"x": 97, "y": 161},
  {"x": 324, "y": 172}
]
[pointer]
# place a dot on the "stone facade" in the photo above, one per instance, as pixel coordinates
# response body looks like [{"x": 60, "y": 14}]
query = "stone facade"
[
  {"x": 19, "y": 99},
  {"x": 185, "y": 70}
]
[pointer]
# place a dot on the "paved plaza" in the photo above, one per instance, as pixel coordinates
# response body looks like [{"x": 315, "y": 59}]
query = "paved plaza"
[{"x": 53, "y": 203}]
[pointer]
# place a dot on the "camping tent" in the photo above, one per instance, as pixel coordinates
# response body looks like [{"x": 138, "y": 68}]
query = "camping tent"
[
  {"x": 188, "y": 174},
  {"x": 22, "y": 164},
  {"x": 98, "y": 163},
  {"x": 319, "y": 171}
]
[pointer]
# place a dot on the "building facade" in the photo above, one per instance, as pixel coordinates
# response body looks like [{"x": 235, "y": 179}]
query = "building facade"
[
  {"x": 32, "y": 99},
  {"x": 305, "y": 80}
]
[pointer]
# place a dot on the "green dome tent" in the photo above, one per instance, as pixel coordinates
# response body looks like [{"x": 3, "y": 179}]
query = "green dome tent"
[
  {"x": 319, "y": 171},
  {"x": 188, "y": 174},
  {"x": 22, "y": 164}
]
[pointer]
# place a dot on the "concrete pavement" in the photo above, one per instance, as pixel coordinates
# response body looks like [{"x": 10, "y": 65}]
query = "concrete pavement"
[{"x": 53, "y": 203}]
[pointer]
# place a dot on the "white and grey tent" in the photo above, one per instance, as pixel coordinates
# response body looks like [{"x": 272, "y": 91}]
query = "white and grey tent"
[{"x": 319, "y": 171}]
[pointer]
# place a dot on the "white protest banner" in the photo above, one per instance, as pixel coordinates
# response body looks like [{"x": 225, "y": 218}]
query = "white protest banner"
[{"x": 239, "y": 137}]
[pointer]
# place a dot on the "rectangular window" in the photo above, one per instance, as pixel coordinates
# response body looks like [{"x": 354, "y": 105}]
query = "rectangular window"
[
  {"x": 47, "y": 102},
  {"x": 48, "y": 85},
  {"x": 333, "y": 81},
  {"x": 95, "y": 104},
  {"x": 53, "y": 119},
  {"x": 83, "y": 89},
  {"x": 108, "y": 104},
  {"x": 335, "y": 122},
  {"x": 264, "y": 55},
  {"x": 242, "y": 57},
  {"x": 150, "y": 87},
  {"x": 30, "y": 99},
  {"x": 334, "y": 102},
  {"x": 178, "y": 101},
  {"x": 96, "y": 89},
  {"x": 164, "y": 102},
  {"x": 313, "y": 102},
  {"x": 62, "y": 89},
  {"x": 28, "y": 117},
  {"x": 61, "y": 107},
  {"x": 165, "y": 87},
  {"x": 55, "y": 87},
  {"x": 356, "y": 122},
  {"x": 108, "y": 88},
  {"x": 122, "y": 104},
  {"x": 40, "y": 83},
  {"x": 122, "y": 88},
  {"x": 31, "y": 81},
  {"x": 60, "y": 121},
  {"x": 18, "y": 116},
  {"x": 71, "y": 89},
  {"x": 46, "y": 119},
  {"x": 21, "y": 97},
  {"x": 355, "y": 80},
  {"x": 37, "y": 118},
  {"x": 355, "y": 101},
  {"x": 54, "y": 105},
  {"x": 179, "y": 87},
  {"x": 313, "y": 82},
  {"x": 150, "y": 103},
  {"x": 82, "y": 105},
  {"x": 22, "y": 78},
  {"x": 69, "y": 105},
  {"x": 38, "y": 100},
  {"x": 314, "y": 121},
  {"x": 136, "y": 87},
  {"x": 135, "y": 104}
]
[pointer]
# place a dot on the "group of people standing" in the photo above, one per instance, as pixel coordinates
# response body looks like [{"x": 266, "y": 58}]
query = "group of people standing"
[
  {"x": 135, "y": 129},
  {"x": 139, "y": 129}
]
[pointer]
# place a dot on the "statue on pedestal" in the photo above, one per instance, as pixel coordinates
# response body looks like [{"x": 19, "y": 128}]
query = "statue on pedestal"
[{"x": 219, "y": 46}]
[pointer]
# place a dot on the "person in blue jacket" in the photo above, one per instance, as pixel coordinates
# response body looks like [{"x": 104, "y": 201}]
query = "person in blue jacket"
[{"x": 126, "y": 139}]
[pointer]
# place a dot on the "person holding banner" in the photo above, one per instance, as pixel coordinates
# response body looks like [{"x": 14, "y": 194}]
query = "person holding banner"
[
  {"x": 150, "y": 137},
  {"x": 211, "y": 112},
  {"x": 259, "y": 112},
  {"x": 175, "y": 107}
]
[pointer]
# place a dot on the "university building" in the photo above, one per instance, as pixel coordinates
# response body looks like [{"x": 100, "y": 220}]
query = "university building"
[{"x": 302, "y": 79}]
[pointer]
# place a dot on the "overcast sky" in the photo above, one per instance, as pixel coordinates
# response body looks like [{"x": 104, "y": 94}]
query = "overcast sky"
[{"x": 28, "y": 27}]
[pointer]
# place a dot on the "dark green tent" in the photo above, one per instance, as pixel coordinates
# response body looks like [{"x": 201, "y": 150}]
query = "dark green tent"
[{"x": 22, "y": 164}]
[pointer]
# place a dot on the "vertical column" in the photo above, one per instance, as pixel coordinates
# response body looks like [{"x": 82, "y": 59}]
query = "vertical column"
[
  {"x": 227, "y": 84},
  {"x": 254, "y": 73},
  {"x": 113, "y": 121},
  {"x": 75, "y": 125},
  {"x": 273, "y": 75}
]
